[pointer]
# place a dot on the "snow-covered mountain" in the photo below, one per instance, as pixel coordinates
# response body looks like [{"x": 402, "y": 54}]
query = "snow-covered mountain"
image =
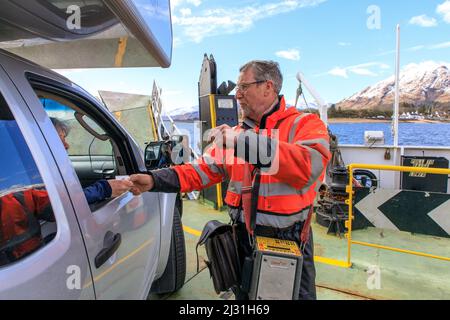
[
  {"x": 182, "y": 110},
  {"x": 426, "y": 83},
  {"x": 192, "y": 113},
  {"x": 302, "y": 105},
  {"x": 184, "y": 113}
]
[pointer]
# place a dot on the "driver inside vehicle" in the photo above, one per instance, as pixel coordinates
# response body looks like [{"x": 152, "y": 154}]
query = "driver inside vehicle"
[
  {"x": 23, "y": 210},
  {"x": 101, "y": 189}
]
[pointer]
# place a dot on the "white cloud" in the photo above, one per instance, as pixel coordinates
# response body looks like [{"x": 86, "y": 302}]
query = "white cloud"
[
  {"x": 365, "y": 69},
  {"x": 370, "y": 64},
  {"x": 195, "y": 2},
  {"x": 291, "y": 54},
  {"x": 174, "y": 4},
  {"x": 443, "y": 45},
  {"x": 344, "y": 44},
  {"x": 176, "y": 42},
  {"x": 416, "y": 48},
  {"x": 436, "y": 46},
  {"x": 424, "y": 21},
  {"x": 440, "y": 46},
  {"x": 386, "y": 53},
  {"x": 338, "y": 72},
  {"x": 185, "y": 12},
  {"x": 444, "y": 10},
  {"x": 363, "y": 72},
  {"x": 177, "y": 3},
  {"x": 218, "y": 21}
]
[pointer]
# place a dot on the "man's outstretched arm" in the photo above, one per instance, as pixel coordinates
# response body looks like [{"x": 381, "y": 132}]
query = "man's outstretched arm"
[{"x": 163, "y": 180}]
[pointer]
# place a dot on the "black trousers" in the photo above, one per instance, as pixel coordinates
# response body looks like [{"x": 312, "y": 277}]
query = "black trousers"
[{"x": 308, "y": 279}]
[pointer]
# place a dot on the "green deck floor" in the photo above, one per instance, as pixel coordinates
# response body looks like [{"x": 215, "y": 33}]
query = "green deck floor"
[{"x": 402, "y": 276}]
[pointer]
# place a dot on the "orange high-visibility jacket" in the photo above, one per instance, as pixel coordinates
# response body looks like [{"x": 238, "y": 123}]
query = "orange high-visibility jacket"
[
  {"x": 20, "y": 231},
  {"x": 300, "y": 154}
]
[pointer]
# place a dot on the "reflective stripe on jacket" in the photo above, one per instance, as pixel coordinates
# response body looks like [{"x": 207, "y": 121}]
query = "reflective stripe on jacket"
[{"x": 291, "y": 171}]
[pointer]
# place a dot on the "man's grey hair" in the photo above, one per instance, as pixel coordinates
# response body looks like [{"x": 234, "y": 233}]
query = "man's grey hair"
[
  {"x": 60, "y": 124},
  {"x": 265, "y": 70}
]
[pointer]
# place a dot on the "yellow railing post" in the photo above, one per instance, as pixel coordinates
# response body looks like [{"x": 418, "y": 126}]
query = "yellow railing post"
[{"x": 349, "y": 202}]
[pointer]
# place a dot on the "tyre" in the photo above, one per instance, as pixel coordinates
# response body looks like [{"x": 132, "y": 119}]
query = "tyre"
[{"x": 175, "y": 273}]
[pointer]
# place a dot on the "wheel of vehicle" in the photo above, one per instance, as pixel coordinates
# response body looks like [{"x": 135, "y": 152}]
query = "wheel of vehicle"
[
  {"x": 175, "y": 273},
  {"x": 179, "y": 205}
]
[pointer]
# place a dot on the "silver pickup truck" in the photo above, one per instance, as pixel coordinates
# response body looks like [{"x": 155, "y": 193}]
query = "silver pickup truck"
[{"x": 53, "y": 243}]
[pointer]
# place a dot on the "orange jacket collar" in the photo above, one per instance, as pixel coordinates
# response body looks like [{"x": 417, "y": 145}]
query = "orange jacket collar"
[{"x": 280, "y": 114}]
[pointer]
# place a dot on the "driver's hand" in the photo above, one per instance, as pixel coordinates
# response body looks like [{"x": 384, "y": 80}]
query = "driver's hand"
[
  {"x": 119, "y": 187},
  {"x": 141, "y": 183}
]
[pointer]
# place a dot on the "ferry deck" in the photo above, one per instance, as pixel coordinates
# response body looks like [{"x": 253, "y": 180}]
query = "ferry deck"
[{"x": 402, "y": 276}]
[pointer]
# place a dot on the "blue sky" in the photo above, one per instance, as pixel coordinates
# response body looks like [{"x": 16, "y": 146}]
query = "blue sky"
[{"x": 341, "y": 46}]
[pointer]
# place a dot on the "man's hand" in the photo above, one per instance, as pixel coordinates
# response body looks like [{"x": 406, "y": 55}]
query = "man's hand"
[
  {"x": 224, "y": 136},
  {"x": 119, "y": 187},
  {"x": 141, "y": 183}
]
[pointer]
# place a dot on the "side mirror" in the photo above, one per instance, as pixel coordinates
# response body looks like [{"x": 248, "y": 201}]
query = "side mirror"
[
  {"x": 153, "y": 154},
  {"x": 177, "y": 138},
  {"x": 181, "y": 151}
]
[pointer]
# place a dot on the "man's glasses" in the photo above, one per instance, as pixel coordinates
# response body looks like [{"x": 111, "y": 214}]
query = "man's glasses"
[{"x": 244, "y": 86}]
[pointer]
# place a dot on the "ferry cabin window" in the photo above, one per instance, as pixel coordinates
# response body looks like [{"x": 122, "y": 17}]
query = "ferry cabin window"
[{"x": 27, "y": 222}]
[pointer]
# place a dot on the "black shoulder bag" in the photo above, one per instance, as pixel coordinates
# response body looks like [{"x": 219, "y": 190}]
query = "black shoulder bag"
[{"x": 222, "y": 251}]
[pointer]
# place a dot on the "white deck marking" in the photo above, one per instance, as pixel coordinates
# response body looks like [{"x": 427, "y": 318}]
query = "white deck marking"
[
  {"x": 441, "y": 215},
  {"x": 369, "y": 208}
]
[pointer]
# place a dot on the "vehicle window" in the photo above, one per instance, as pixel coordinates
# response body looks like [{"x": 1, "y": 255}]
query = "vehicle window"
[
  {"x": 79, "y": 141},
  {"x": 27, "y": 222}
]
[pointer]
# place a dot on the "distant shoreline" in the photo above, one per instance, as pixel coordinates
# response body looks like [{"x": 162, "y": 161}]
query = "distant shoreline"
[{"x": 355, "y": 120}]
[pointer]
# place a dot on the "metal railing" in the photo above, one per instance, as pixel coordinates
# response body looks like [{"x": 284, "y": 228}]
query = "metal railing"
[{"x": 349, "y": 202}]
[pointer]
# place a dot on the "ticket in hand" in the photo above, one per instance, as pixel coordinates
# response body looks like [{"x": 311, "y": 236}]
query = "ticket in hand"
[{"x": 122, "y": 177}]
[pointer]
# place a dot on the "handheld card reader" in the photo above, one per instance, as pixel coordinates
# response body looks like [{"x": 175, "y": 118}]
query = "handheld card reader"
[{"x": 277, "y": 270}]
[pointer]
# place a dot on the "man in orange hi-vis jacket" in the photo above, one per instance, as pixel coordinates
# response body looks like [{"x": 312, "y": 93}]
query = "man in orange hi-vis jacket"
[{"x": 275, "y": 161}]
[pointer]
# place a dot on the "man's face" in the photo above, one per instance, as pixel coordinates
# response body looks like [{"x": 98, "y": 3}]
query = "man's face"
[
  {"x": 252, "y": 95},
  {"x": 62, "y": 136},
  {"x": 249, "y": 93}
]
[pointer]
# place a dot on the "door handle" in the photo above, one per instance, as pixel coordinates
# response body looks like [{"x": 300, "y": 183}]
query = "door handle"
[
  {"x": 110, "y": 246},
  {"x": 105, "y": 171}
]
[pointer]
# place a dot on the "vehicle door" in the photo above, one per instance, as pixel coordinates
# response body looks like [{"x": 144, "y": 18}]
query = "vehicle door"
[
  {"x": 42, "y": 253},
  {"x": 122, "y": 235}
]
